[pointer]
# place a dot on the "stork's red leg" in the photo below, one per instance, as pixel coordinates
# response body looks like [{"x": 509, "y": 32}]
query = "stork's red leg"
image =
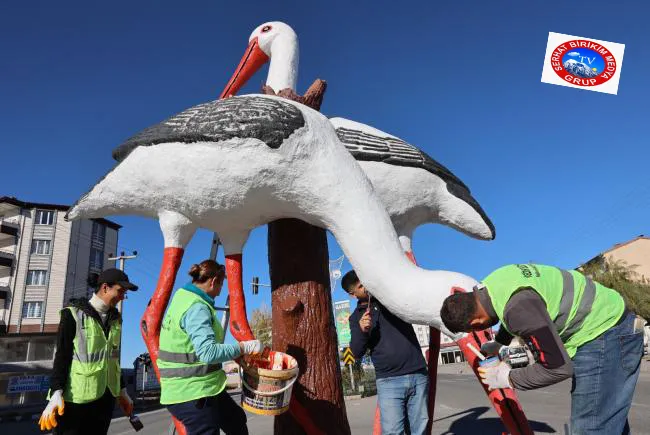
[
  {"x": 153, "y": 314},
  {"x": 376, "y": 430},
  {"x": 239, "y": 326},
  {"x": 504, "y": 400}
]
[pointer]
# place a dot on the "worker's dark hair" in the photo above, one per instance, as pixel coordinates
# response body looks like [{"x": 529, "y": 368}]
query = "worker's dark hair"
[
  {"x": 458, "y": 310},
  {"x": 206, "y": 270},
  {"x": 93, "y": 281},
  {"x": 349, "y": 280}
]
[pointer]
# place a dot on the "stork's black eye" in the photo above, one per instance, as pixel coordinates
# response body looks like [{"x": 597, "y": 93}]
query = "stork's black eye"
[{"x": 266, "y": 29}]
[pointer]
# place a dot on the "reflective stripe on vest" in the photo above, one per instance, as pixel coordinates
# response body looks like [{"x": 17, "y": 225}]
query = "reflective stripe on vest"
[
  {"x": 580, "y": 308},
  {"x": 81, "y": 353},
  {"x": 183, "y": 377},
  {"x": 588, "y": 296},
  {"x": 95, "y": 359},
  {"x": 584, "y": 308},
  {"x": 188, "y": 372},
  {"x": 178, "y": 357},
  {"x": 567, "y": 300}
]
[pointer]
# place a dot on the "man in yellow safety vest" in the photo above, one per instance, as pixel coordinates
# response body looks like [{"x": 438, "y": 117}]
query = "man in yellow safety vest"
[{"x": 86, "y": 377}]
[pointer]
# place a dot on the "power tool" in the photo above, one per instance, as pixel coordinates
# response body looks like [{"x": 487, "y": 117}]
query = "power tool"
[{"x": 515, "y": 356}]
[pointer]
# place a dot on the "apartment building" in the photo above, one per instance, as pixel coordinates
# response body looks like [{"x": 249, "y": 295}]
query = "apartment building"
[
  {"x": 634, "y": 252},
  {"x": 44, "y": 262}
]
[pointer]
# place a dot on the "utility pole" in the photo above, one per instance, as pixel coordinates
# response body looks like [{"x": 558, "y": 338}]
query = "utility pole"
[
  {"x": 225, "y": 317},
  {"x": 121, "y": 259}
]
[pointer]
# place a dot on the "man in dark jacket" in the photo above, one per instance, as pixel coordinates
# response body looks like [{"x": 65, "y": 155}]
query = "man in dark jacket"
[
  {"x": 402, "y": 381},
  {"x": 86, "y": 376}
]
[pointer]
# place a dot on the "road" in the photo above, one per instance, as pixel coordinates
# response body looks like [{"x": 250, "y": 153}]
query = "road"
[{"x": 461, "y": 408}]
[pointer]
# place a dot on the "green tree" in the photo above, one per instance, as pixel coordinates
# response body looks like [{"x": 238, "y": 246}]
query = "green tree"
[
  {"x": 262, "y": 325},
  {"x": 621, "y": 277}
]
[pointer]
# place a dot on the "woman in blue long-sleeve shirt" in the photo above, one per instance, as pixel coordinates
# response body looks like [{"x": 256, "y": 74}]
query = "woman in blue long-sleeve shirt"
[{"x": 192, "y": 380}]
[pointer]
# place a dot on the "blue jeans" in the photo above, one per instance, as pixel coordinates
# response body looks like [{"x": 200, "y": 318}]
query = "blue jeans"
[
  {"x": 403, "y": 403},
  {"x": 605, "y": 372}
]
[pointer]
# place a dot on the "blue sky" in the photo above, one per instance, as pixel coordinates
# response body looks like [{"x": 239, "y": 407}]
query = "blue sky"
[{"x": 562, "y": 172}]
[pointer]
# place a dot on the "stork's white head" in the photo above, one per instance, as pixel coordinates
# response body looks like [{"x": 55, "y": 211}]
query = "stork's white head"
[
  {"x": 274, "y": 41},
  {"x": 266, "y": 34}
]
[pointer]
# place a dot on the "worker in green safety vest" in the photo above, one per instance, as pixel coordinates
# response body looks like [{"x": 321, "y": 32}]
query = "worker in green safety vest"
[
  {"x": 192, "y": 382},
  {"x": 86, "y": 377},
  {"x": 573, "y": 326}
]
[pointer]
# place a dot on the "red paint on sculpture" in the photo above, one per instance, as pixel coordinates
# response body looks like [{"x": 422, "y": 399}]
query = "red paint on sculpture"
[{"x": 153, "y": 315}]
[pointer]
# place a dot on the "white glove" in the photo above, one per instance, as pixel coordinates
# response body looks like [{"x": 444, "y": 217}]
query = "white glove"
[
  {"x": 491, "y": 348},
  {"x": 496, "y": 377},
  {"x": 55, "y": 406},
  {"x": 126, "y": 404},
  {"x": 250, "y": 347}
]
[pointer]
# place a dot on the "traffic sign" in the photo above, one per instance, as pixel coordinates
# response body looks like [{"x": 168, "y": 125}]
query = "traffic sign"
[{"x": 348, "y": 357}]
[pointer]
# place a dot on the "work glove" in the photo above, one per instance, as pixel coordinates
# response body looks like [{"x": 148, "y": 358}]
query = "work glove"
[
  {"x": 125, "y": 402},
  {"x": 250, "y": 347},
  {"x": 491, "y": 348},
  {"x": 495, "y": 377},
  {"x": 55, "y": 406}
]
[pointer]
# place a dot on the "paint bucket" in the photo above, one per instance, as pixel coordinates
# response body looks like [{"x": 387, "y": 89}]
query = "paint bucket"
[{"x": 267, "y": 383}]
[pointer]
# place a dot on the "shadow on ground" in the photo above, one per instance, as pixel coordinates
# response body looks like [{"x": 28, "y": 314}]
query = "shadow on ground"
[{"x": 471, "y": 423}]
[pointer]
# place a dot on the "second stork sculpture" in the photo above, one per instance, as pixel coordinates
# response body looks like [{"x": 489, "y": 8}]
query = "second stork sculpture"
[{"x": 414, "y": 188}]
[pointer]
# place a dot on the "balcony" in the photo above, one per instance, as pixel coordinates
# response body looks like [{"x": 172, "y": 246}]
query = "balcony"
[
  {"x": 6, "y": 260},
  {"x": 8, "y": 230}
]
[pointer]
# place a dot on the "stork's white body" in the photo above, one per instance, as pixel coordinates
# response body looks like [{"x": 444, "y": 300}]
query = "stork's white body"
[
  {"x": 414, "y": 196},
  {"x": 233, "y": 186}
]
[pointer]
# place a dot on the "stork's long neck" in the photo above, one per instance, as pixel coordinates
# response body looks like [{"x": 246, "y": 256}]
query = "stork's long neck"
[
  {"x": 283, "y": 70},
  {"x": 414, "y": 294},
  {"x": 362, "y": 227}
]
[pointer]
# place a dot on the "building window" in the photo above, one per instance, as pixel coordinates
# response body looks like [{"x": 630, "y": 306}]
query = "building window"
[
  {"x": 32, "y": 310},
  {"x": 41, "y": 247},
  {"x": 99, "y": 231},
  {"x": 44, "y": 217},
  {"x": 41, "y": 348},
  {"x": 36, "y": 277},
  {"x": 13, "y": 350},
  {"x": 96, "y": 259}
]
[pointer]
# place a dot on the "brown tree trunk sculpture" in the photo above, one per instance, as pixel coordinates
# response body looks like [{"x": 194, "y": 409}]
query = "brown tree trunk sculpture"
[{"x": 303, "y": 320}]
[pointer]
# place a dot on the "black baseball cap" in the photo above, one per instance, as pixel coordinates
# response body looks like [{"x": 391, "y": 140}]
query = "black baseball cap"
[{"x": 115, "y": 276}]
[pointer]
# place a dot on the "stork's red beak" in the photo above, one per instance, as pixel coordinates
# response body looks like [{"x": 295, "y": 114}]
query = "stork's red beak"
[{"x": 252, "y": 61}]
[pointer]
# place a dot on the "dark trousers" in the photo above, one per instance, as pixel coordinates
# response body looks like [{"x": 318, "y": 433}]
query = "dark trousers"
[
  {"x": 207, "y": 415},
  {"x": 92, "y": 418}
]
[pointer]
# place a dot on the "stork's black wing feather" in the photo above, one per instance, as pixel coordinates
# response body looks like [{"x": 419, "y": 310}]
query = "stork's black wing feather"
[
  {"x": 366, "y": 146},
  {"x": 269, "y": 120}
]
